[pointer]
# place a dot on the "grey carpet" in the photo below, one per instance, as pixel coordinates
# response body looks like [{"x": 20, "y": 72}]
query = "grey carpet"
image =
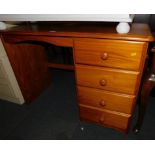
[{"x": 54, "y": 116}]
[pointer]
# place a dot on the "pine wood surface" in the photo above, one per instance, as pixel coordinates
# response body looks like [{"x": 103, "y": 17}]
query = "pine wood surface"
[
  {"x": 105, "y": 99},
  {"x": 107, "y": 79},
  {"x": 108, "y": 65}
]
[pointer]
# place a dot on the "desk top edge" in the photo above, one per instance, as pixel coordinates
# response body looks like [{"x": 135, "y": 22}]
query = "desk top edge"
[{"x": 138, "y": 32}]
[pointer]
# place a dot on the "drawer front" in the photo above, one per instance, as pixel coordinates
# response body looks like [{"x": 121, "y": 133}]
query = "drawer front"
[
  {"x": 109, "y": 53},
  {"x": 105, "y": 100},
  {"x": 108, "y": 79},
  {"x": 108, "y": 118}
]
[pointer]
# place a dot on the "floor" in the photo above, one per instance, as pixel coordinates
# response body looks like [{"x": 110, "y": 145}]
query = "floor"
[{"x": 54, "y": 116}]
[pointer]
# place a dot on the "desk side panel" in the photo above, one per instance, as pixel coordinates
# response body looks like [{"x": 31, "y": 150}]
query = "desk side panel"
[{"x": 29, "y": 63}]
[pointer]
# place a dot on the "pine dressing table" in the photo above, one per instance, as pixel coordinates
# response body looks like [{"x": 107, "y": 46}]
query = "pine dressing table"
[{"x": 108, "y": 66}]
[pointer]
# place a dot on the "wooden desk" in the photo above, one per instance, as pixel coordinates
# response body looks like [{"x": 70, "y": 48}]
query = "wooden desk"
[{"x": 108, "y": 65}]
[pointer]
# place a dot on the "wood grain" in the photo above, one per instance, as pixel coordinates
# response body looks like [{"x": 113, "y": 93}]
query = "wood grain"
[
  {"x": 104, "y": 117},
  {"x": 108, "y": 65},
  {"x": 29, "y": 64},
  {"x": 119, "y": 54},
  {"x": 116, "y": 80},
  {"x": 58, "y": 41},
  {"x": 102, "y": 30},
  {"x": 112, "y": 101}
]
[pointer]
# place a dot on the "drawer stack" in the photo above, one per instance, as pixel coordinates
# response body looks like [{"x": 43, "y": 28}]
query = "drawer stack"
[{"x": 107, "y": 75}]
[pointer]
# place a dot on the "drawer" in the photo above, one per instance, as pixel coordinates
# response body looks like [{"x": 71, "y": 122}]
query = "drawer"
[
  {"x": 105, "y": 100},
  {"x": 108, "y": 118},
  {"x": 109, "y": 53},
  {"x": 108, "y": 79}
]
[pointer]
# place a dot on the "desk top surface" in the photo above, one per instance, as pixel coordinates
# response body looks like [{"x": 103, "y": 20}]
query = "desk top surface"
[{"x": 138, "y": 32}]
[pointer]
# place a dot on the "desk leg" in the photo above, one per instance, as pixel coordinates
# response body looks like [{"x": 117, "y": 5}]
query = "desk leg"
[{"x": 146, "y": 89}]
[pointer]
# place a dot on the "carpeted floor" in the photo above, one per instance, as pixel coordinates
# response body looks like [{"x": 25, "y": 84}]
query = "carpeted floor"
[{"x": 54, "y": 116}]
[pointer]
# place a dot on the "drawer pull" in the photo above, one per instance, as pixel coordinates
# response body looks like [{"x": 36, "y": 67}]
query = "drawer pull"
[
  {"x": 102, "y": 103},
  {"x": 102, "y": 119},
  {"x": 104, "y": 56},
  {"x": 103, "y": 82}
]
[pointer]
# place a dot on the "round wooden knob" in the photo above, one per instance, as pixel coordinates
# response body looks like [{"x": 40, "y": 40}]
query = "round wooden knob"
[
  {"x": 103, "y": 82},
  {"x": 102, "y": 103},
  {"x": 102, "y": 119},
  {"x": 104, "y": 56}
]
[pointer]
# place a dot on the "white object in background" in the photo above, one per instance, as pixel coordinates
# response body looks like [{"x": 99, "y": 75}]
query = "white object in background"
[
  {"x": 122, "y": 18},
  {"x": 9, "y": 88},
  {"x": 68, "y": 17},
  {"x": 2, "y": 26},
  {"x": 123, "y": 28}
]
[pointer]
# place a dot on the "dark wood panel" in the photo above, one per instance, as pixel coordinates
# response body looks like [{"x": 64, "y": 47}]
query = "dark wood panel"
[{"x": 29, "y": 63}]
